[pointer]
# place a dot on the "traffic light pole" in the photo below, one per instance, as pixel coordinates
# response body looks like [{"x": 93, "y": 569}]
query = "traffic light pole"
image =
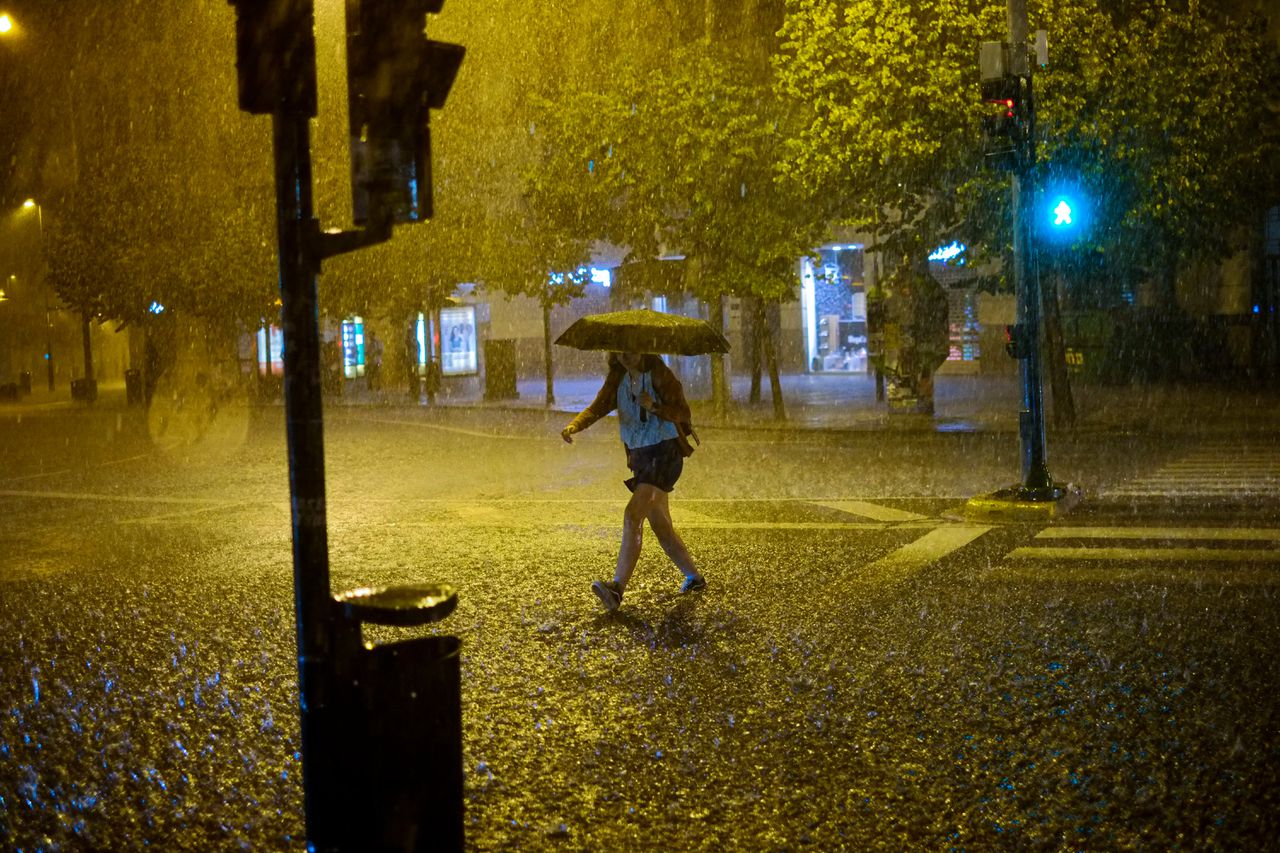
[
  {"x": 1036, "y": 482},
  {"x": 305, "y": 433}
]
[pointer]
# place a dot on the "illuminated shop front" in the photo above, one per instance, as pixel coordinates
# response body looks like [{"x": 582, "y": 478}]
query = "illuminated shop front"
[
  {"x": 271, "y": 351},
  {"x": 834, "y": 304},
  {"x": 948, "y": 266},
  {"x": 353, "y": 347}
]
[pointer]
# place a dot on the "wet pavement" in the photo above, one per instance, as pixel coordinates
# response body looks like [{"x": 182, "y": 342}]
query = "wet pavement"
[{"x": 862, "y": 672}]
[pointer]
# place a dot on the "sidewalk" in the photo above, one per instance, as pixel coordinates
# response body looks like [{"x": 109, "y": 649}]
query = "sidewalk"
[{"x": 962, "y": 403}]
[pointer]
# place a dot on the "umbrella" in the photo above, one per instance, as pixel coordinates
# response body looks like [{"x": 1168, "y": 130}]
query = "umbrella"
[{"x": 643, "y": 331}]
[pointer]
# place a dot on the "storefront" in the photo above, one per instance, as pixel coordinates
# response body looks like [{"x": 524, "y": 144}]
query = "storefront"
[{"x": 833, "y": 302}]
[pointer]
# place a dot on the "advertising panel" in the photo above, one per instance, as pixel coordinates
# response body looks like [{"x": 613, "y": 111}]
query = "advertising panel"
[{"x": 458, "y": 341}]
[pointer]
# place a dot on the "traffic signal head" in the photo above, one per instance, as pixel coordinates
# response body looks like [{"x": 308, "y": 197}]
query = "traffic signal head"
[
  {"x": 276, "y": 56},
  {"x": 1063, "y": 214},
  {"x": 1002, "y": 121},
  {"x": 1016, "y": 342},
  {"x": 395, "y": 76}
]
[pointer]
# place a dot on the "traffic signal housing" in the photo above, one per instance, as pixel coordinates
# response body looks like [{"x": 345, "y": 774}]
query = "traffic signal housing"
[
  {"x": 1016, "y": 342},
  {"x": 395, "y": 77},
  {"x": 1002, "y": 122},
  {"x": 276, "y": 56}
]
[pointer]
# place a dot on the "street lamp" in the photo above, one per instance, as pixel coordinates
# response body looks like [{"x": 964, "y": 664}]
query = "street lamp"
[
  {"x": 30, "y": 204},
  {"x": 6, "y": 25}
]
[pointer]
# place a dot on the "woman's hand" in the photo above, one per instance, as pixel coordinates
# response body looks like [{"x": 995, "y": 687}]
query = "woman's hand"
[
  {"x": 567, "y": 433},
  {"x": 646, "y": 401}
]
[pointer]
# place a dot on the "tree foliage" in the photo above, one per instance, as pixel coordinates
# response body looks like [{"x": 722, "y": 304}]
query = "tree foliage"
[
  {"x": 1163, "y": 112},
  {"x": 886, "y": 95}
]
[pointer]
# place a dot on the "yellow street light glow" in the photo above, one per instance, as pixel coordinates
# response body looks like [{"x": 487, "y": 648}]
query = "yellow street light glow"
[
  {"x": 29, "y": 203},
  {"x": 6, "y": 24}
]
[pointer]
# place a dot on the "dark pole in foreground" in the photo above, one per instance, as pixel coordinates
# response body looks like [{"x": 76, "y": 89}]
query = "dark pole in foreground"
[
  {"x": 381, "y": 726},
  {"x": 1036, "y": 482},
  {"x": 304, "y": 427}
]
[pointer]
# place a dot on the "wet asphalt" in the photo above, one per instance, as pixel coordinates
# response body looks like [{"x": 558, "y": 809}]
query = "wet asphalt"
[{"x": 818, "y": 695}]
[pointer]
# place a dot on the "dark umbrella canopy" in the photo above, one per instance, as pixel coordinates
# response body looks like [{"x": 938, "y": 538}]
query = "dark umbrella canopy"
[{"x": 643, "y": 331}]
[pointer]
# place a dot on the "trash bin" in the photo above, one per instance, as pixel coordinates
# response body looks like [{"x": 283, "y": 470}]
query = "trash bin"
[
  {"x": 24, "y": 381},
  {"x": 398, "y": 726},
  {"x": 133, "y": 387},
  {"x": 500, "y": 370}
]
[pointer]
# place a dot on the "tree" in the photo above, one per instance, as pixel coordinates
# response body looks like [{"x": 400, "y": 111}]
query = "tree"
[
  {"x": 886, "y": 97},
  {"x": 1165, "y": 113},
  {"x": 683, "y": 157}
]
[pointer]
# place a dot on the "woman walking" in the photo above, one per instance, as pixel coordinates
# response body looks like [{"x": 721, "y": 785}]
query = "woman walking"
[{"x": 653, "y": 417}]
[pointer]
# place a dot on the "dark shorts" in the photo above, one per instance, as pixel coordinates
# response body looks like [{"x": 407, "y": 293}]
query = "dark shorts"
[{"x": 658, "y": 465}]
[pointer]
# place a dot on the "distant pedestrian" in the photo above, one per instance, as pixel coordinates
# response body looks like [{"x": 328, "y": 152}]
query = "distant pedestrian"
[
  {"x": 373, "y": 370},
  {"x": 653, "y": 417}
]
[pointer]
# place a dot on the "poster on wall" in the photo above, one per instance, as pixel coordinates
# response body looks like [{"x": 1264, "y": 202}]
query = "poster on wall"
[{"x": 458, "y": 341}]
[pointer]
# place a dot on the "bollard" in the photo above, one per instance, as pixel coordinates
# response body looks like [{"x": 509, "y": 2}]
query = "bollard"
[
  {"x": 133, "y": 387},
  {"x": 397, "y": 736}
]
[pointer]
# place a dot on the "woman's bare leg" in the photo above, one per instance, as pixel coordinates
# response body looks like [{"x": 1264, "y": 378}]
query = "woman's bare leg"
[
  {"x": 638, "y": 508},
  {"x": 668, "y": 538}
]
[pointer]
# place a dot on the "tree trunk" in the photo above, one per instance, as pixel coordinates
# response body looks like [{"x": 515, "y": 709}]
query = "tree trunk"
[
  {"x": 433, "y": 357},
  {"x": 719, "y": 387},
  {"x": 771, "y": 356},
  {"x": 548, "y": 367},
  {"x": 756, "y": 338},
  {"x": 1064, "y": 408},
  {"x": 87, "y": 344}
]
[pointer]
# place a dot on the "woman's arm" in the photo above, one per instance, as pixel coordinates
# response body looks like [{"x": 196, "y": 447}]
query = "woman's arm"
[
  {"x": 605, "y": 402},
  {"x": 671, "y": 404}
]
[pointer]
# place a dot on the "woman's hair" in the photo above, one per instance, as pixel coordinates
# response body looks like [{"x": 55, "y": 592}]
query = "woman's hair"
[{"x": 613, "y": 361}]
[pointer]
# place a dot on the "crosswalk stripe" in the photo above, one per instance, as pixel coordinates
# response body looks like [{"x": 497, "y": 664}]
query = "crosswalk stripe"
[
  {"x": 1223, "y": 533},
  {"x": 866, "y": 509},
  {"x": 1212, "y": 470},
  {"x": 910, "y": 558},
  {"x": 1212, "y": 555},
  {"x": 1153, "y": 574}
]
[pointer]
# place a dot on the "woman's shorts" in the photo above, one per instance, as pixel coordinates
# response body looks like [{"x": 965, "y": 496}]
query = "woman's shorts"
[{"x": 657, "y": 464}]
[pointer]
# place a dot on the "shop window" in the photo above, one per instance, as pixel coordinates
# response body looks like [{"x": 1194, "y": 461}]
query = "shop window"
[
  {"x": 353, "y": 347},
  {"x": 834, "y": 304},
  {"x": 271, "y": 351},
  {"x": 963, "y": 328}
]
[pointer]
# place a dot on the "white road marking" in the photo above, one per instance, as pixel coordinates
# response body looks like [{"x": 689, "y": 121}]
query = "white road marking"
[
  {"x": 1205, "y": 555},
  {"x": 1213, "y": 470},
  {"x": 1155, "y": 574},
  {"x": 871, "y": 510},
  {"x": 98, "y": 496},
  {"x": 934, "y": 545},
  {"x": 1223, "y": 533}
]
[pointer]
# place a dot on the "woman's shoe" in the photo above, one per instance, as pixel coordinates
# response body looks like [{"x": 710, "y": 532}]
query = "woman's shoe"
[
  {"x": 693, "y": 584},
  {"x": 609, "y": 593}
]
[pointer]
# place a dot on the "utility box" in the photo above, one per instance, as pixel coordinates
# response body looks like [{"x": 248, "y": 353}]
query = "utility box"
[
  {"x": 133, "y": 387},
  {"x": 500, "y": 370},
  {"x": 84, "y": 389}
]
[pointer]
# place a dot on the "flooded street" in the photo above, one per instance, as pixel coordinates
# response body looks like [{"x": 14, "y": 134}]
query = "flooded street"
[{"x": 863, "y": 673}]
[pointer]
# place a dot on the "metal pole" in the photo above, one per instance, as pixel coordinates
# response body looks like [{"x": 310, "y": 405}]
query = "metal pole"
[
  {"x": 44, "y": 284},
  {"x": 305, "y": 432},
  {"x": 1036, "y": 481}
]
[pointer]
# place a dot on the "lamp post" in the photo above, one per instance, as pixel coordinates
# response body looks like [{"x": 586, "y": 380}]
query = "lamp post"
[{"x": 30, "y": 204}]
